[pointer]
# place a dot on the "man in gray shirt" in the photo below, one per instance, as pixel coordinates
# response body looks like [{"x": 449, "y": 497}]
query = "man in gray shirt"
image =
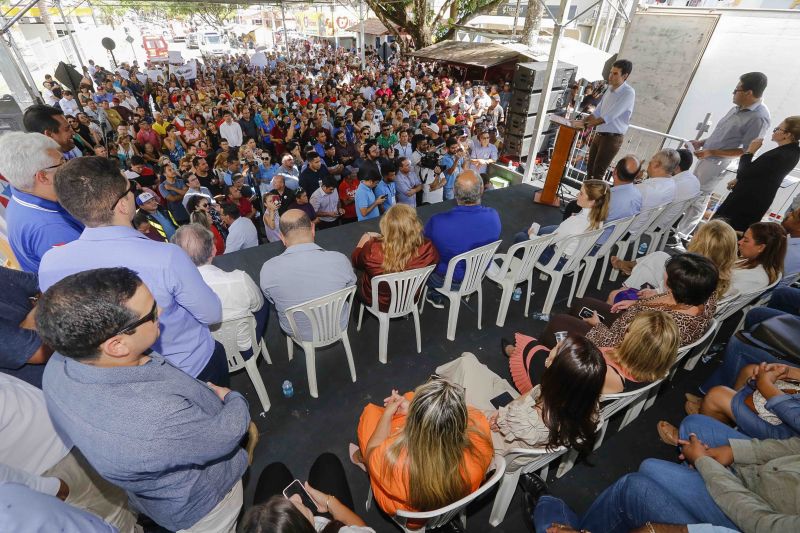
[
  {"x": 315, "y": 272},
  {"x": 748, "y": 119}
]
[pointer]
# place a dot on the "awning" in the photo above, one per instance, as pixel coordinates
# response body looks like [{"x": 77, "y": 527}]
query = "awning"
[
  {"x": 372, "y": 26},
  {"x": 483, "y": 55}
]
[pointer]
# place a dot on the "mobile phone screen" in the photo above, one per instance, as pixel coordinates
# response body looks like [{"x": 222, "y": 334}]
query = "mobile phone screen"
[
  {"x": 295, "y": 487},
  {"x": 502, "y": 400}
]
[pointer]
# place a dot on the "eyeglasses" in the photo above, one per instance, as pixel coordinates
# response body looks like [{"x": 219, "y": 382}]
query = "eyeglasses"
[
  {"x": 51, "y": 167},
  {"x": 776, "y": 129},
  {"x": 129, "y": 189},
  {"x": 152, "y": 316}
]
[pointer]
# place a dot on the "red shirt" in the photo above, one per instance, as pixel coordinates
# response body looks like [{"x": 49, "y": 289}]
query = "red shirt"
[
  {"x": 347, "y": 191},
  {"x": 245, "y": 207}
]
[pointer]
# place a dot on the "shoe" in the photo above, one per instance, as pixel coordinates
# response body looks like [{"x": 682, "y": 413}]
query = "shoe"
[
  {"x": 504, "y": 343},
  {"x": 434, "y": 303},
  {"x": 667, "y": 433},
  {"x": 533, "y": 488},
  {"x": 673, "y": 240}
]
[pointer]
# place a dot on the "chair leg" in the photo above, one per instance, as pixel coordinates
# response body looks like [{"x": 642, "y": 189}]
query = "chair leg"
[
  {"x": 587, "y": 276},
  {"x": 415, "y": 314},
  {"x": 251, "y": 365},
  {"x": 528, "y": 295},
  {"x": 622, "y": 252},
  {"x": 311, "y": 368},
  {"x": 605, "y": 260},
  {"x": 505, "y": 301},
  {"x": 349, "y": 352},
  {"x": 567, "y": 462},
  {"x": 383, "y": 336},
  {"x": 572, "y": 287},
  {"x": 422, "y": 300},
  {"x": 505, "y": 493},
  {"x": 360, "y": 317},
  {"x": 265, "y": 352},
  {"x": 452, "y": 317},
  {"x": 480, "y": 306},
  {"x": 290, "y": 347},
  {"x": 555, "y": 283}
]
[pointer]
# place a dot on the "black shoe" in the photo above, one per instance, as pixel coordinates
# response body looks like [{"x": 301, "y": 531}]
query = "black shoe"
[
  {"x": 504, "y": 343},
  {"x": 533, "y": 486}
]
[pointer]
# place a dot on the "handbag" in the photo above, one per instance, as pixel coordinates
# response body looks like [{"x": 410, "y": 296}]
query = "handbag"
[{"x": 777, "y": 335}]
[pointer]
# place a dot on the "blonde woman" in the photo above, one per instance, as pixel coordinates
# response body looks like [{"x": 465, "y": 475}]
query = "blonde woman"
[
  {"x": 715, "y": 240},
  {"x": 593, "y": 198},
  {"x": 398, "y": 247},
  {"x": 424, "y": 450}
]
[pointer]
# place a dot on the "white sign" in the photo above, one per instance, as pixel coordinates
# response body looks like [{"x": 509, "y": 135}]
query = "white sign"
[
  {"x": 154, "y": 73},
  {"x": 259, "y": 60},
  {"x": 187, "y": 71},
  {"x": 175, "y": 58}
]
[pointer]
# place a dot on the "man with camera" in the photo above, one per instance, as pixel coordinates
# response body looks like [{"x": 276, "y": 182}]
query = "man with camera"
[
  {"x": 425, "y": 163},
  {"x": 453, "y": 163}
]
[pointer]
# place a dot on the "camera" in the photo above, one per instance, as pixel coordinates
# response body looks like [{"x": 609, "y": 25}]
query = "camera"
[{"x": 429, "y": 160}]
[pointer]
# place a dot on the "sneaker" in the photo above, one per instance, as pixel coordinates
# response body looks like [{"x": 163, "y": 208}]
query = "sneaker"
[
  {"x": 435, "y": 303},
  {"x": 533, "y": 485}
]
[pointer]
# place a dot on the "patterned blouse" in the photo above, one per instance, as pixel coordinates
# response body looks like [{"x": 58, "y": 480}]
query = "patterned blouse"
[{"x": 691, "y": 327}]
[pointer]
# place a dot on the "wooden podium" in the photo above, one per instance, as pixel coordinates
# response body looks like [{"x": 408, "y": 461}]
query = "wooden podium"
[{"x": 558, "y": 163}]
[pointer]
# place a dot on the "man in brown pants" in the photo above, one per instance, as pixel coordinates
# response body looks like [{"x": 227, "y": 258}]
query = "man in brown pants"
[{"x": 611, "y": 118}]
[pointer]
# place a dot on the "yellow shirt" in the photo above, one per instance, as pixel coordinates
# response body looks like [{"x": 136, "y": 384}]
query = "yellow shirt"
[{"x": 161, "y": 129}]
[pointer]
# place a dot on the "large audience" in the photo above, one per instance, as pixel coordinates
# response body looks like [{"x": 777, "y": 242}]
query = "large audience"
[{"x": 115, "y": 388}]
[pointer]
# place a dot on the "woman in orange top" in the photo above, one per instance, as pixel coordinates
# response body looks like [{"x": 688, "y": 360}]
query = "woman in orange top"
[{"x": 424, "y": 450}]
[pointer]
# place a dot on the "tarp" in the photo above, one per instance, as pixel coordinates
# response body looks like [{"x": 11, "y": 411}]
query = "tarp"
[
  {"x": 371, "y": 27},
  {"x": 482, "y": 55}
]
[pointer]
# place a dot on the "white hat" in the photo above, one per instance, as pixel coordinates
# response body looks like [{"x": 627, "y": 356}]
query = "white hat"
[
  {"x": 433, "y": 127},
  {"x": 144, "y": 197}
]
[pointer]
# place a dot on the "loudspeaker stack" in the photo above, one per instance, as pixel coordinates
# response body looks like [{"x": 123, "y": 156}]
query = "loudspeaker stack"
[{"x": 527, "y": 93}]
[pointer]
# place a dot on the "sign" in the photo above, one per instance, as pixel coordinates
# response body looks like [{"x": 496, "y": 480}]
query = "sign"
[
  {"x": 175, "y": 58},
  {"x": 187, "y": 71},
  {"x": 258, "y": 60},
  {"x": 153, "y": 74}
]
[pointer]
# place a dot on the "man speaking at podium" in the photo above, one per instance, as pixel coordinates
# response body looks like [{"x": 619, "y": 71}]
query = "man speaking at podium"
[{"x": 611, "y": 117}]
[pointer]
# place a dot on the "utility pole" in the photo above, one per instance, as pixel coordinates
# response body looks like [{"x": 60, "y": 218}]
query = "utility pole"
[
  {"x": 361, "y": 46},
  {"x": 285, "y": 32},
  {"x": 516, "y": 18}
]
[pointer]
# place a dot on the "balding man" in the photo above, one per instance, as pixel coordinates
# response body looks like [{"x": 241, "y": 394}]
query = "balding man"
[
  {"x": 659, "y": 187},
  {"x": 315, "y": 272},
  {"x": 36, "y": 220},
  {"x": 467, "y": 226}
]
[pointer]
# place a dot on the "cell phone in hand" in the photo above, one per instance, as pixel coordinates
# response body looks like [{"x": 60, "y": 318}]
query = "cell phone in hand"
[
  {"x": 646, "y": 286},
  {"x": 589, "y": 313},
  {"x": 383, "y": 196},
  {"x": 502, "y": 400},
  {"x": 296, "y": 487}
]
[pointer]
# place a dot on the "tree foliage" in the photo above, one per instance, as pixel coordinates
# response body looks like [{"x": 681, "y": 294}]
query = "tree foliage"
[
  {"x": 213, "y": 14},
  {"x": 418, "y": 19}
]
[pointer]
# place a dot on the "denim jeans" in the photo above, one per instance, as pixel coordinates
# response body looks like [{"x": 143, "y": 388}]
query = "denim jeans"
[
  {"x": 737, "y": 355},
  {"x": 436, "y": 280},
  {"x": 786, "y": 299},
  {"x": 523, "y": 236},
  {"x": 661, "y": 492},
  {"x": 448, "y": 194},
  {"x": 709, "y": 430}
]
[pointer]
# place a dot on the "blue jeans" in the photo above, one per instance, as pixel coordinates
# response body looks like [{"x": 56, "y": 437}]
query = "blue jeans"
[
  {"x": 661, "y": 492},
  {"x": 786, "y": 299},
  {"x": 262, "y": 320},
  {"x": 737, "y": 355},
  {"x": 709, "y": 430},
  {"x": 448, "y": 194},
  {"x": 436, "y": 280},
  {"x": 523, "y": 236},
  {"x": 753, "y": 425}
]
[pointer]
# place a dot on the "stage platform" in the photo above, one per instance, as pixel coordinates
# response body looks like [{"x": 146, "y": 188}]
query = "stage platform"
[{"x": 296, "y": 430}]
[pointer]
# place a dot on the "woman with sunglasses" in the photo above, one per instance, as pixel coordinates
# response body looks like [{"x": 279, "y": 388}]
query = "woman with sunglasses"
[
  {"x": 757, "y": 182},
  {"x": 424, "y": 450},
  {"x": 201, "y": 212}
]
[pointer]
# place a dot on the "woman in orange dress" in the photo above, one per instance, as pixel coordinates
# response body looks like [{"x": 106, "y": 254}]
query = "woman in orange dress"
[{"x": 424, "y": 450}]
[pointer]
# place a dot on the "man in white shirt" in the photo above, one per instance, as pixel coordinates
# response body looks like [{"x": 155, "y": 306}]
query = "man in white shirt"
[
  {"x": 241, "y": 230},
  {"x": 47, "y": 93},
  {"x": 231, "y": 131},
  {"x": 659, "y": 187},
  {"x": 195, "y": 189},
  {"x": 403, "y": 148},
  {"x": 687, "y": 186},
  {"x": 408, "y": 78},
  {"x": 239, "y": 294},
  {"x": 32, "y": 454},
  {"x": 611, "y": 117},
  {"x": 68, "y": 104}
]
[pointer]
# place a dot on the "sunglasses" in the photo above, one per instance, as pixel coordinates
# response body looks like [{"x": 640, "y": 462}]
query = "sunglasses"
[
  {"x": 152, "y": 316},
  {"x": 129, "y": 189}
]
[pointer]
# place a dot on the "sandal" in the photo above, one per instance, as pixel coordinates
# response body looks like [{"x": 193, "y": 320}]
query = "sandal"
[
  {"x": 668, "y": 433},
  {"x": 694, "y": 398},
  {"x": 504, "y": 344},
  {"x": 354, "y": 453},
  {"x": 691, "y": 408}
]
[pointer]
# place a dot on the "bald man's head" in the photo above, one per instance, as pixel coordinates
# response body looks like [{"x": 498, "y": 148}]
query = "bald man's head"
[
  {"x": 296, "y": 227},
  {"x": 627, "y": 169},
  {"x": 468, "y": 188}
]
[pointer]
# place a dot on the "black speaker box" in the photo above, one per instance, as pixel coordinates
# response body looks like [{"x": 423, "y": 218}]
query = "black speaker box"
[
  {"x": 530, "y": 76},
  {"x": 525, "y": 103},
  {"x": 68, "y": 76}
]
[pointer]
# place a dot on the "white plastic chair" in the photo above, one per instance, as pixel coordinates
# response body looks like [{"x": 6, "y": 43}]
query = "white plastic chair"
[
  {"x": 643, "y": 221},
  {"x": 603, "y": 254},
  {"x": 513, "y": 271},
  {"x": 762, "y": 301},
  {"x": 659, "y": 231},
  {"x": 475, "y": 263},
  {"x": 520, "y": 461},
  {"x": 585, "y": 242},
  {"x": 443, "y": 516},
  {"x": 227, "y": 333},
  {"x": 405, "y": 289},
  {"x": 325, "y": 316}
]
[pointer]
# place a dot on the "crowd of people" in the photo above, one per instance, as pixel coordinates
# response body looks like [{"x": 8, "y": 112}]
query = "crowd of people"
[{"x": 117, "y": 392}]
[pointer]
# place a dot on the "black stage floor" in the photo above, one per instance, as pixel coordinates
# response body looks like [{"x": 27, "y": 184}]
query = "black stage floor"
[{"x": 296, "y": 430}]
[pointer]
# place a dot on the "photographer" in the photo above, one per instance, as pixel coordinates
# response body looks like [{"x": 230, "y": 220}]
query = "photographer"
[
  {"x": 425, "y": 163},
  {"x": 453, "y": 163}
]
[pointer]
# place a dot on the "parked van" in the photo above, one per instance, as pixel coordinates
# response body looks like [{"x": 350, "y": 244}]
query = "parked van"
[
  {"x": 193, "y": 40},
  {"x": 213, "y": 44}
]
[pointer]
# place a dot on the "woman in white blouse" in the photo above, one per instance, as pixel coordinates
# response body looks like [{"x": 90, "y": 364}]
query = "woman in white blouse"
[{"x": 563, "y": 410}]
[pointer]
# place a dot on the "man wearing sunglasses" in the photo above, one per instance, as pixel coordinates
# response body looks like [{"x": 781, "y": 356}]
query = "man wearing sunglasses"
[
  {"x": 94, "y": 191},
  {"x": 170, "y": 441},
  {"x": 36, "y": 220}
]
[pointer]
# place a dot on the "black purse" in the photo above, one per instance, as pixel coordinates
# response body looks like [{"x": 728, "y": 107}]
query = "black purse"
[{"x": 778, "y": 335}]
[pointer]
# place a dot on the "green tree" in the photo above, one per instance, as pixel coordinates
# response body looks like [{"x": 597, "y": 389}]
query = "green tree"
[
  {"x": 211, "y": 13},
  {"x": 422, "y": 24}
]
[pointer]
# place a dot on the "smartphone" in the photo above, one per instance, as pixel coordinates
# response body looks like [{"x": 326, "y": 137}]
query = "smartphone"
[
  {"x": 502, "y": 400},
  {"x": 646, "y": 286},
  {"x": 295, "y": 487},
  {"x": 383, "y": 196},
  {"x": 588, "y": 313}
]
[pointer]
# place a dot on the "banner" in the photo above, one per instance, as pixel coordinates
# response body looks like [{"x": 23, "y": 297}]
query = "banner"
[
  {"x": 187, "y": 71},
  {"x": 175, "y": 58},
  {"x": 258, "y": 60}
]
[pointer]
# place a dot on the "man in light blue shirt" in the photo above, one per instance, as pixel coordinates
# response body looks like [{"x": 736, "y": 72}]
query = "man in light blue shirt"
[
  {"x": 367, "y": 203},
  {"x": 611, "y": 119},
  {"x": 453, "y": 163},
  {"x": 94, "y": 191},
  {"x": 748, "y": 119},
  {"x": 626, "y": 199},
  {"x": 386, "y": 187},
  {"x": 408, "y": 183}
]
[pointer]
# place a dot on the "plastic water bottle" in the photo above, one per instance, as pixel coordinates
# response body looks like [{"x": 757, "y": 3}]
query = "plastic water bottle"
[
  {"x": 288, "y": 390},
  {"x": 643, "y": 248},
  {"x": 517, "y": 294}
]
